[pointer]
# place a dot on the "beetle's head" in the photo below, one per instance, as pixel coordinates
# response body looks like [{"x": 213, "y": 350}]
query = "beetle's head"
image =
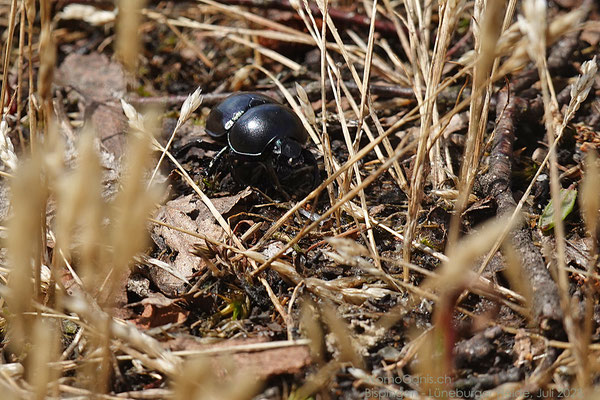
[{"x": 288, "y": 152}]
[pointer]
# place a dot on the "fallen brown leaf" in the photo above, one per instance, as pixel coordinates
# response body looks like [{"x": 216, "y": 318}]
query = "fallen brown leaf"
[
  {"x": 191, "y": 214},
  {"x": 102, "y": 84},
  {"x": 158, "y": 316}
]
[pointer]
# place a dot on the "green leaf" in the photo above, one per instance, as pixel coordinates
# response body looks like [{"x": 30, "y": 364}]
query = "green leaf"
[
  {"x": 567, "y": 201},
  {"x": 238, "y": 310}
]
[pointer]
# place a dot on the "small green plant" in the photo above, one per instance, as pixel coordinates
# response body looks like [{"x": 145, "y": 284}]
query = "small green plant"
[{"x": 567, "y": 202}]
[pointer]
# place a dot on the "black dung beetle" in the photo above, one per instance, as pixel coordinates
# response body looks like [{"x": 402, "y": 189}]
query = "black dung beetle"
[
  {"x": 256, "y": 128},
  {"x": 255, "y": 124}
]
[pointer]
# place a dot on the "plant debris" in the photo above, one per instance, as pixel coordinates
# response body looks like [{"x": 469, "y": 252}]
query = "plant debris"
[{"x": 435, "y": 237}]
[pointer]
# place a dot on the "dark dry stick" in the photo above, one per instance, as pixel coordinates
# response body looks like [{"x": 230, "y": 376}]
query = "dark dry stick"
[
  {"x": 209, "y": 99},
  {"x": 378, "y": 89},
  {"x": 546, "y": 302}
]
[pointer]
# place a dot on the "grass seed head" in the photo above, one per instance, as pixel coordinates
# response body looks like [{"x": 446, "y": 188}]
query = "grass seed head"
[
  {"x": 7, "y": 151},
  {"x": 191, "y": 103},
  {"x": 136, "y": 120},
  {"x": 581, "y": 88}
]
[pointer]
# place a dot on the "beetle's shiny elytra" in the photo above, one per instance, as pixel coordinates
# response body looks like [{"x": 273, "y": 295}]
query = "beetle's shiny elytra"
[
  {"x": 253, "y": 124},
  {"x": 224, "y": 115},
  {"x": 261, "y": 126}
]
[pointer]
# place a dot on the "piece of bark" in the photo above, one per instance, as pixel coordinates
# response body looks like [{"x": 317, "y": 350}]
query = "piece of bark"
[{"x": 262, "y": 363}]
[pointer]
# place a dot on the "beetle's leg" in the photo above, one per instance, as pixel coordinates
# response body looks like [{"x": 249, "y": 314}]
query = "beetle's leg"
[
  {"x": 310, "y": 160},
  {"x": 216, "y": 161},
  {"x": 275, "y": 180},
  {"x": 181, "y": 151}
]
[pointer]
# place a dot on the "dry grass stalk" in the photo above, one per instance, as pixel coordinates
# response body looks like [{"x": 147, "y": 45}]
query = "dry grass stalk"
[
  {"x": 514, "y": 274},
  {"x": 590, "y": 205},
  {"x": 45, "y": 339},
  {"x": 393, "y": 16},
  {"x": 294, "y": 66},
  {"x": 80, "y": 212},
  {"x": 328, "y": 159},
  {"x": 24, "y": 244},
  {"x": 132, "y": 204},
  {"x": 490, "y": 14},
  {"x": 20, "y": 58},
  {"x": 461, "y": 258},
  {"x": 7, "y": 52},
  {"x": 191, "y": 46},
  {"x": 80, "y": 209},
  {"x": 316, "y": 381},
  {"x": 366, "y": 74},
  {"x": 250, "y": 17},
  {"x": 127, "y": 43},
  {"x": 30, "y": 12},
  {"x": 305, "y": 105},
  {"x": 361, "y": 116},
  {"x": 46, "y": 71},
  {"x": 201, "y": 378},
  {"x": 344, "y": 341},
  {"x": 282, "y": 33},
  {"x": 343, "y": 48},
  {"x": 312, "y": 330},
  {"x": 143, "y": 347},
  {"x": 351, "y": 151},
  {"x": 190, "y": 105},
  {"x": 432, "y": 71},
  {"x": 590, "y": 208}
]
